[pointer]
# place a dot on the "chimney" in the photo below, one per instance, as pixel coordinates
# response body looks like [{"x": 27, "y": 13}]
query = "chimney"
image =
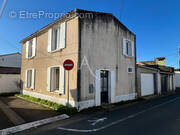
[{"x": 160, "y": 61}]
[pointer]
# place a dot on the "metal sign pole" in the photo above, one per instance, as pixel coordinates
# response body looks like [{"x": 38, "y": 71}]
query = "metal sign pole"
[
  {"x": 68, "y": 65},
  {"x": 68, "y": 90}
]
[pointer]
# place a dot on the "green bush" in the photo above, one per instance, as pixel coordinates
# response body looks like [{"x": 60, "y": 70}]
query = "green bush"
[{"x": 58, "y": 107}]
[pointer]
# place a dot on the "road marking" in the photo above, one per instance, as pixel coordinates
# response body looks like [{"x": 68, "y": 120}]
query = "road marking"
[
  {"x": 26, "y": 126},
  {"x": 118, "y": 121},
  {"x": 94, "y": 122}
]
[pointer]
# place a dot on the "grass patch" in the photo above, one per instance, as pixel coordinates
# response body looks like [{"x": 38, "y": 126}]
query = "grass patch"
[{"x": 57, "y": 107}]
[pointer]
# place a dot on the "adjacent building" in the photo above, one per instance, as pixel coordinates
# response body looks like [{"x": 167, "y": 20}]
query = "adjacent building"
[
  {"x": 154, "y": 77},
  {"x": 10, "y": 67},
  {"x": 104, "y": 54}
]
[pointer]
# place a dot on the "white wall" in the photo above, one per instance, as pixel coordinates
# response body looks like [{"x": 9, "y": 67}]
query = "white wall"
[
  {"x": 9, "y": 83},
  {"x": 13, "y": 60},
  {"x": 177, "y": 79}
]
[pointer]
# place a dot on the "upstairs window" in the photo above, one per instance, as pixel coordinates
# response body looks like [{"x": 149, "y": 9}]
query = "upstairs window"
[
  {"x": 31, "y": 48},
  {"x": 57, "y": 37},
  {"x": 128, "y": 47}
]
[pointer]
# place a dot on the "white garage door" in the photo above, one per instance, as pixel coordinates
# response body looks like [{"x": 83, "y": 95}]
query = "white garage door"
[{"x": 147, "y": 84}]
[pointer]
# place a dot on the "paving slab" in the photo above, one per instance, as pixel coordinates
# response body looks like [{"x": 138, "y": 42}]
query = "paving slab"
[
  {"x": 26, "y": 110},
  {"x": 12, "y": 116},
  {"x": 4, "y": 121}
]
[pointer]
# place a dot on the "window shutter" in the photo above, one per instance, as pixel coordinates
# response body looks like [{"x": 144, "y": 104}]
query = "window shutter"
[
  {"x": 132, "y": 47},
  {"x": 49, "y": 39},
  {"x": 48, "y": 79},
  {"x": 33, "y": 79},
  {"x": 27, "y": 48},
  {"x": 61, "y": 80},
  {"x": 129, "y": 49},
  {"x": 34, "y": 46},
  {"x": 62, "y": 35},
  {"x": 98, "y": 88},
  {"x": 25, "y": 83},
  {"x": 124, "y": 46},
  {"x": 112, "y": 85}
]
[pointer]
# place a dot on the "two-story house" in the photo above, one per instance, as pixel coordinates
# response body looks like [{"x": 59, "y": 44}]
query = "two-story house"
[{"x": 103, "y": 51}]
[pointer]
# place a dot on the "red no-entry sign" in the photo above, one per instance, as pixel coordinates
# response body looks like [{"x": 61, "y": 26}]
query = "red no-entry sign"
[{"x": 68, "y": 64}]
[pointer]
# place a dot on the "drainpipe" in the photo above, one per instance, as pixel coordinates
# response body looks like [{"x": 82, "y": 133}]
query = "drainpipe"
[
  {"x": 79, "y": 64},
  {"x": 136, "y": 83}
]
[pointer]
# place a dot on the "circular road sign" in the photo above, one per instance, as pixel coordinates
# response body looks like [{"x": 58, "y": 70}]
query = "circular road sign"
[{"x": 68, "y": 64}]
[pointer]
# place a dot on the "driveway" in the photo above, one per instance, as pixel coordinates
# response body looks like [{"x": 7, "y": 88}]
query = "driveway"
[{"x": 16, "y": 111}]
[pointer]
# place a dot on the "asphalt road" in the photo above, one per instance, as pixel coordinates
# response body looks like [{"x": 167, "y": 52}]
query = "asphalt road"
[{"x": 153, "y": 117}]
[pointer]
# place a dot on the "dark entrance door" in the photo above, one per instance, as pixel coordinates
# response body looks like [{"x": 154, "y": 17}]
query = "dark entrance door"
[
  {"x": 104, "y": 86},
  {"x": 164, "y": 83}
]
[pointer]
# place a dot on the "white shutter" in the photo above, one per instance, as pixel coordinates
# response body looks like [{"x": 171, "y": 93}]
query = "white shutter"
[
  {"x": 27, "y": 48},
  {"x": 33, "y": 79},
  {"x": 62, "y": 35},
  {"x": 124, "y": 46},
  {"x": 98, "y": 88},
  {"x": 132, "y": 47},
  {"x": 49, "y": 39},
  {"x": 61, "y": 80},
  {"x": 112, "y": 85},
  {"x": 25, "y": 83},
  {"x": 48, "y": 79},
  {"x": 34, "y": 47}
]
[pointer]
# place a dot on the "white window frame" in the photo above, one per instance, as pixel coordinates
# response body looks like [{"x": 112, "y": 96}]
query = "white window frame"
[
  {"x": 61, "y": 39},
  {"x": 132, "y": 70},
  {"x": 125, "y": 47},
  {"x": 61, "y": 89},
  {"x": 33, "y": 49},
  {"x": 57, "y": 27},
  {"x": 32, "y": 78}
]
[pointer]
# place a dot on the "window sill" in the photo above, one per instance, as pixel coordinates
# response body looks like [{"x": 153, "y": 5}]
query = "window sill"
[
  {"x": 128, "y": 56},
  {"x": 56, "y": 92},
  {"x": 130, "y": 72},
  {"x": 29, "y": 88},
  {"x": 29, "y": 58},
  {"x": 57, "y": 50}
]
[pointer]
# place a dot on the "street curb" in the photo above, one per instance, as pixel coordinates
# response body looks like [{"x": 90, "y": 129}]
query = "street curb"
[{"x": 26, "y": 126}]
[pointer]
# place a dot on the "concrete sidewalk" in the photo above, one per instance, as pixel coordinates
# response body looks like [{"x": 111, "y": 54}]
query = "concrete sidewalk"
[{"x": 15, "y": 111}]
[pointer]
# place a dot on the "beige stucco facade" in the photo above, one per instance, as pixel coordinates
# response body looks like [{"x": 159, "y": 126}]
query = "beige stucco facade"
[
  {"x": 94, "y": 44},
  {"x": 44, "y": 59}
]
